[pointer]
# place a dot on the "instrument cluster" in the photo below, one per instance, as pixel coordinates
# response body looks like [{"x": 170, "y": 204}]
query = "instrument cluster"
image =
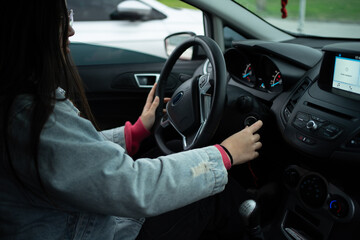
[{"x": 256, "y": 71}]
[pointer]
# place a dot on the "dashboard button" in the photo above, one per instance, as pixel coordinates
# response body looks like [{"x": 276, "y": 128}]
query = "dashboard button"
[
  {"x": 330, "y": 131},
  {"x": 305, "y": 139},
  {"x": 301, "y": 119},
  {"x": 316, "y": 127},
  {"x": 317, "y": 119},
  {"x": 287, "y": 113},
  {"x": 311, "y": 125},
  {"x": 354, "y": 143},
  {"x": 303, "y": 116},
  {"x": 313, "y": 190}
]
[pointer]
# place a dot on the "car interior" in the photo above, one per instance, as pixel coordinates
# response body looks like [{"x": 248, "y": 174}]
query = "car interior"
[{"x": 305, "y": 89}]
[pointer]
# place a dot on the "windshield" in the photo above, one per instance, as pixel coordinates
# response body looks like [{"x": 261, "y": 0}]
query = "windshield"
[{"x": 322, "y": 18}]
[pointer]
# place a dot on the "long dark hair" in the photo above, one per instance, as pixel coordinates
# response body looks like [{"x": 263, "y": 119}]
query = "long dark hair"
[{"x": 33, "y": 60}]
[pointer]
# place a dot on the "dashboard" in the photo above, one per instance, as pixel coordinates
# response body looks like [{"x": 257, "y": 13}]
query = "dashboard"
[{"x": 313, "y": 96}]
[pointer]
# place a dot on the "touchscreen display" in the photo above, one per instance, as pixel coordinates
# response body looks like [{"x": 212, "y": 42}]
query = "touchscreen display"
[{"x": 347, "y": 74}]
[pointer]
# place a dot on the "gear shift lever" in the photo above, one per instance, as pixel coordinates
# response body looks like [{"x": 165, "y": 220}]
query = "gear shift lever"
[{"x": 250, "y": 214}]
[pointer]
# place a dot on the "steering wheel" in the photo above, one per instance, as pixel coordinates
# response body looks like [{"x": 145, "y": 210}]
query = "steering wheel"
[{"x": 197, "y": 105}]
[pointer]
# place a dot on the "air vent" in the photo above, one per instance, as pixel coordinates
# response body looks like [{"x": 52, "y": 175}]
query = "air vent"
[{"x": 295, "y": 97}]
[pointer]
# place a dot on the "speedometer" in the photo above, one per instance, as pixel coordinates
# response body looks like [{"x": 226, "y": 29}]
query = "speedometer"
[{"x": 248, "y": 74}]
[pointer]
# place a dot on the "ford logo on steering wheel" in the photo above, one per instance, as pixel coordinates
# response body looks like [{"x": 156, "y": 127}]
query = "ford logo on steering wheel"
[{"x": 177, "y": 98}]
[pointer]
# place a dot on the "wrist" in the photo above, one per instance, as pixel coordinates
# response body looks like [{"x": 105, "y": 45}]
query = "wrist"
[
  {"x": 229, "y": 154},
  {"x": 134, "y": 135},
  {"x": 139, "y": 130},
  {"x": 225, "y": 156}
]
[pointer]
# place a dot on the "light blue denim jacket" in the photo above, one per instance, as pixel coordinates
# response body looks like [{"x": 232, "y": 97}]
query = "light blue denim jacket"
[{"x": 90, "y": 179}]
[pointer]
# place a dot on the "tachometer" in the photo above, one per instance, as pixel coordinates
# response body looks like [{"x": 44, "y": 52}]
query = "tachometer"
[{"x": 275, "y": 83}]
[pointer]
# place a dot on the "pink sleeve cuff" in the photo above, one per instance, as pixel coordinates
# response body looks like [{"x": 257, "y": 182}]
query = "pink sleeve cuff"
[
  {"x": 225, "y": 157},
  {"x": 134, "y": 135}
]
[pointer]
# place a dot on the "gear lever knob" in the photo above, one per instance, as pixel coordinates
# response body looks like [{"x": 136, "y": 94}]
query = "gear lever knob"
[{"x": 250, "y": 214}]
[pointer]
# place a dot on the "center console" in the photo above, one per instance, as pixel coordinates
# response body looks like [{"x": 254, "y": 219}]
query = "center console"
[{"x": 322, "y": 114}]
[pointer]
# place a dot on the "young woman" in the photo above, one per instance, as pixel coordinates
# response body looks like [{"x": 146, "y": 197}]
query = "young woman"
[{"x": 63, "y": 179}]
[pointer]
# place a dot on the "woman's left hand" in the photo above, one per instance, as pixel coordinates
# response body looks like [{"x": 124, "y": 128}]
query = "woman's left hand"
[{"x": 148, "y": 113}]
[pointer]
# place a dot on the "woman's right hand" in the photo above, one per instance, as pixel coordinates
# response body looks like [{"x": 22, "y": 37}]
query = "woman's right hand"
[{"x": 244, "y": 144}]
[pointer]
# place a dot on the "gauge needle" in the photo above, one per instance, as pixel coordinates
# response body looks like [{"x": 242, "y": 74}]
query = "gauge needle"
[
  {"x": 275, "y": 84},
  {"x": 244, "y": 76}
]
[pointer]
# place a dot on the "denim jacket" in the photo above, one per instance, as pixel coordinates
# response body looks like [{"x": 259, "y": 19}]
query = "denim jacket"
[{"x": 90, "y": 188}]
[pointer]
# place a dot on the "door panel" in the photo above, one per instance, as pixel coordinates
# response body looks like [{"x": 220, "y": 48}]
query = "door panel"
[{"x": 109, "y": 74}]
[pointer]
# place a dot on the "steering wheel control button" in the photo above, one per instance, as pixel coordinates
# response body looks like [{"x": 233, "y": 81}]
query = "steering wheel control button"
[
  {"x": 202, "y": 81},
  {"x": 338, "y": 206},
  {"x": 313, "y": 190}
]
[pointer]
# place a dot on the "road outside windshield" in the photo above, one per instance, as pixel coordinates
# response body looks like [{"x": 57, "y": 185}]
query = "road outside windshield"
[{"x": 324, "y": 18}]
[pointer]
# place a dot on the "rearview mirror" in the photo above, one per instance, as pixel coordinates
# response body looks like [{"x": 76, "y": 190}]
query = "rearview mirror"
[{"x": 176, "y": 39}]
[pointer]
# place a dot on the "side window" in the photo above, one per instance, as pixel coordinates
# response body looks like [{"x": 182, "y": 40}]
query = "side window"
[
  {"x": 128, "y": 31},
  {"x": 102, "y": 10},
  {"x": 93, "y": 10},
  {"x": 230, "y": 35}
]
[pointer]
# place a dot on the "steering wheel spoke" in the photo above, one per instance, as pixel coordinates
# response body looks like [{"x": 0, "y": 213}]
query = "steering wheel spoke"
[
  {"x": 165, "y": 121},
  {"x": 204, "y": 83},
  {"x": 190, "y": 140},
  {"x": 205, "y": 98}
]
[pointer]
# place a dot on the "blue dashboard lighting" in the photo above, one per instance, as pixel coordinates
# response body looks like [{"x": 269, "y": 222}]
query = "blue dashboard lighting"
[
  {"x": 246, "y": 75},
  {"x": 331, "y": 203},
  {"x": 275, "y": 84}
]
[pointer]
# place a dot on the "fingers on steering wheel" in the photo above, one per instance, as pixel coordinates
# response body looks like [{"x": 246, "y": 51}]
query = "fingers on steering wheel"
[
  {"x": 154, "y": 104},
  {"x": 166, "y": 100},
  {"x": 151, "y": 93},
  {"x": 150, "y": 98}
]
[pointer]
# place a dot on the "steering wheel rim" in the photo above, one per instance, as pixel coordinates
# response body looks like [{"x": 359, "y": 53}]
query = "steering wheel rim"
[{"x": 209, "y": 123}]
